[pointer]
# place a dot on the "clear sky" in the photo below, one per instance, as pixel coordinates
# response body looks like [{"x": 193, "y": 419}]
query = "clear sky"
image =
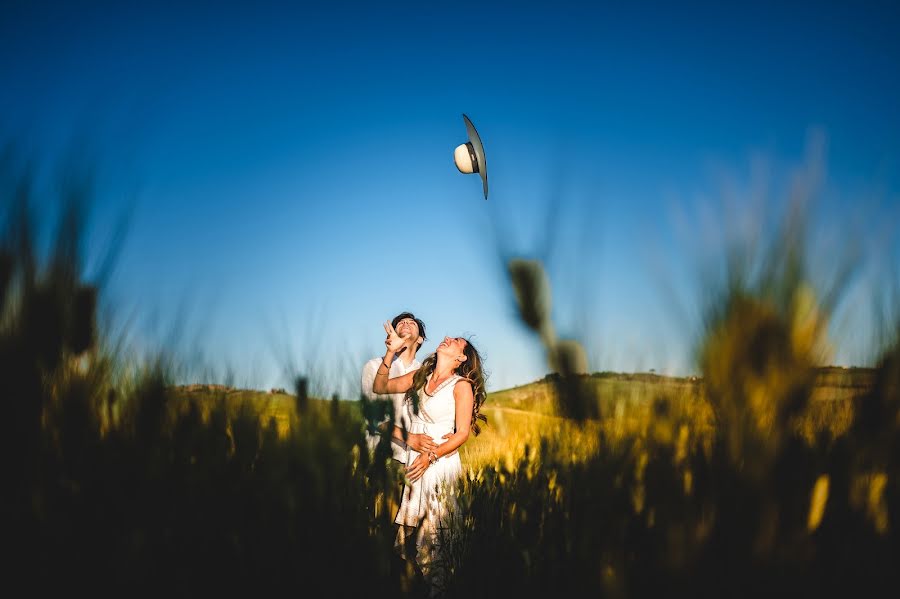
[{"x": 287, "y": 176}]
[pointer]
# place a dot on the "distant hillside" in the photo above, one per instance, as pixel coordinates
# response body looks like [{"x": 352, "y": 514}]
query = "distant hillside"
[
  {"x": 834, "y": 382},
  {"x": 520, "y": 416},
  {"x": 534, "y": 396}
]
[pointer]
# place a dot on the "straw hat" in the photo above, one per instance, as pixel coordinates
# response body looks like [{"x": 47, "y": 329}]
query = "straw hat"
[{"x": 469, "y": 157}]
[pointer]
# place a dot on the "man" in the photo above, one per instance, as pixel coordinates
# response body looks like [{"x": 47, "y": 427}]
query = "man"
[{"x": 412, "y": 330}]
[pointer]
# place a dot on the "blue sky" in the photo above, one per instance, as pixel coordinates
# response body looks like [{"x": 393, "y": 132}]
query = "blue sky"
[{"x": 287, "y": 173}]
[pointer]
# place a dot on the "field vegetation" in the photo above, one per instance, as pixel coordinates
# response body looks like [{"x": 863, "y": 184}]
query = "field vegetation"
[{"x": 766, "y": 475}]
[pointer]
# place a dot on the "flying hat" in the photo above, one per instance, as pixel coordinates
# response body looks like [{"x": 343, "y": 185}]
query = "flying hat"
[{"x": 469, "y": 157}]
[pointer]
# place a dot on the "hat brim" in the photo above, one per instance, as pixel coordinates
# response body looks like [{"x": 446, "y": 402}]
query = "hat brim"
[{"x": 475, "y": 139}]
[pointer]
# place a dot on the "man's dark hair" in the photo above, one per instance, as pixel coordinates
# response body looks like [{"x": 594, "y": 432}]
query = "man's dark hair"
[{"x": 421, "y": 324}]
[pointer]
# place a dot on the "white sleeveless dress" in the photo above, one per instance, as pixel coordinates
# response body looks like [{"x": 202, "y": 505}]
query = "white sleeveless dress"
[{"x": 429, "y": 503}]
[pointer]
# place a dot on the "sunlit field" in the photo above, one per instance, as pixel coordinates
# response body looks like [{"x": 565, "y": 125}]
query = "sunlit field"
[
  {"x": 519, "y": 419},
  {"x": 645, "y": 255},
  {"x": 769, "y": 473}
]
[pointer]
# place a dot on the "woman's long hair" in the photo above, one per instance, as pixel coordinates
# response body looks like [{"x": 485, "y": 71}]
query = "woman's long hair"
[{"x": 471, "y": 370}]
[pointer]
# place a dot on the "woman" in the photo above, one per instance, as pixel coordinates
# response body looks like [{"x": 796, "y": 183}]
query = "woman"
[{"x": 443, "y": 400}]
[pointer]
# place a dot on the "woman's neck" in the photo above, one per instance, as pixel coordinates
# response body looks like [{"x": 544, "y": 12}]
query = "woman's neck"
[{"x": 443, "y": 368}]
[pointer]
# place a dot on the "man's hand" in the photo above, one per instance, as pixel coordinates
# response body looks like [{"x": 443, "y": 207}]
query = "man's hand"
[
  {"x": 420, "y": 442},
  {"x": 415, "y": 470}
]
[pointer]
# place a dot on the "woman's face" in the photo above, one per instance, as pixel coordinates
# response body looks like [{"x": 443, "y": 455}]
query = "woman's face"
[{"x": 452, "y": 347}]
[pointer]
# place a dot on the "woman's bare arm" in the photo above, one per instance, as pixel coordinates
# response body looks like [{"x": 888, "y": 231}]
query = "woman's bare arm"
[
  {"x": 465, "y": 401},
  {"x": 398, "y": 384}
]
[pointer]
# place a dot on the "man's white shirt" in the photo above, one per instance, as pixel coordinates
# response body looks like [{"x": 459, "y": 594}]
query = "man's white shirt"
[{"x": 401, "y": 418}]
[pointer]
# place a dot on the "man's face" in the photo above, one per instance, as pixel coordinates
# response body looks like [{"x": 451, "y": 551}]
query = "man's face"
[{"x": 407, "y": 328}]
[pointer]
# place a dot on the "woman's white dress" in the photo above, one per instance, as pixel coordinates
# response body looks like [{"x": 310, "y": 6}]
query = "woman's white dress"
[{"x": 428, "y": 505}]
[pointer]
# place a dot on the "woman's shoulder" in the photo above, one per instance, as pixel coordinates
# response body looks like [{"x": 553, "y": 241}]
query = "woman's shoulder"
[{"x": 462, "y": 385}]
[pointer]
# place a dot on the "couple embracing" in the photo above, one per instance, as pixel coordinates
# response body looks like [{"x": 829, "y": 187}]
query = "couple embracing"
[{"x": 437, "y": 404}]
